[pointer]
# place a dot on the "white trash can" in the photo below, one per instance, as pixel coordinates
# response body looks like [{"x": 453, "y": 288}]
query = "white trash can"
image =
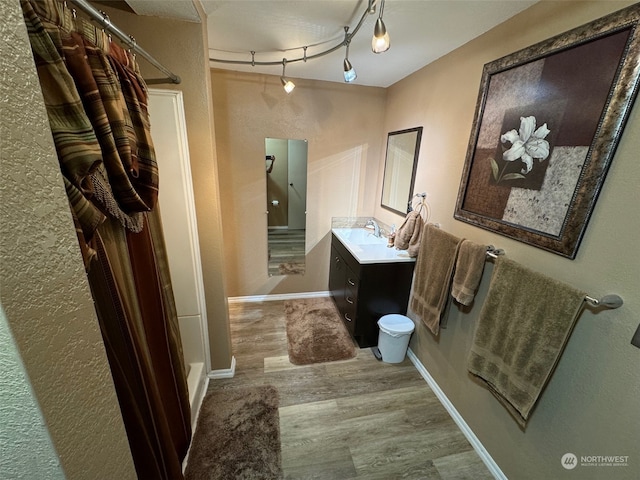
[{"x": 393, "y": 339}]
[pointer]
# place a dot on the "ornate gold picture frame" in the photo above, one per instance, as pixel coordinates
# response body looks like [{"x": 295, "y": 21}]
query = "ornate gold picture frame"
[{"x": 547, "y": 123}]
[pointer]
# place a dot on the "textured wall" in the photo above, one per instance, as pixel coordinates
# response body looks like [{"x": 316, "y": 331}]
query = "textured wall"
[
  {"x": 342, "y": 124},
  {"x": 590, "y": 406},
  {"x": 23, "y": 429},
  {"x": 43, "y": 290}
]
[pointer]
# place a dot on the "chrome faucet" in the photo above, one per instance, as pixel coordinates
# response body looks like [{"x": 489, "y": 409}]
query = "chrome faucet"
[{"x": 376, "y": 227}]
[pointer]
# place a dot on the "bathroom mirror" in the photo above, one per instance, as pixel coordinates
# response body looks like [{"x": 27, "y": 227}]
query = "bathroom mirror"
[
  {"x": 400, "y": 166},
  {"x": 286, "y": 167}
]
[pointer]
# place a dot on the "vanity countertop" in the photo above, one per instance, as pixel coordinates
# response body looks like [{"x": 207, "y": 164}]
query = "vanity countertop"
[{"x": 367, "y": 248}]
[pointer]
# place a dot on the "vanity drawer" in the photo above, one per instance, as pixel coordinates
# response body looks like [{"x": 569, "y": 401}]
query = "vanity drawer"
[
  {"x": 349, "y": 321},
  {"x": 350, "y": 300},
  {"x": 352, "y": 282},
  {"x": 349, "y": 314}
]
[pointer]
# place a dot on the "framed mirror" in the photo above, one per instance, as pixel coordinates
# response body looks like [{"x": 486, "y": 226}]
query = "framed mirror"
[
  {"x": 286, "y": 175},
  {"x": 400, "y": 166}
]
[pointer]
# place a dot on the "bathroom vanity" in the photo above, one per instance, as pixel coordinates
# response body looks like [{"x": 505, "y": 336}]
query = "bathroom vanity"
[{"x": 367, "y": 280}]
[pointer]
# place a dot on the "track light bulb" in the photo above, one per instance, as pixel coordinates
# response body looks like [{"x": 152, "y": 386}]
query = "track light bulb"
[
  {"x": 380, "y": 41},
  {"x": 288, "y": 85},
  {"x": 349, "y": 72}
]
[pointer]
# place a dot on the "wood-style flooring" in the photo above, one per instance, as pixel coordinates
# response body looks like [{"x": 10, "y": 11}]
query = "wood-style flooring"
[
  {"x": 354, "y": 419},
  {"x": 285, "y": 247}
]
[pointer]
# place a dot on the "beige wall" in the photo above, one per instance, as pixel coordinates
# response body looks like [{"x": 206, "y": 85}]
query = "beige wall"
[
  {"x": 342, "y": 124},
  {"x": 23, "y": 428},
  {"x": 181, "y": 47},
  {"x": 46, "y": 299},
  {"x": 590, "y": 406}
]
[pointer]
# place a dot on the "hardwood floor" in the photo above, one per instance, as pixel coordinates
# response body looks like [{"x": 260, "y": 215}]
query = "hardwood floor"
[
  {"x": 354, "y": 419},
  {"x": 286, "y": 247}
]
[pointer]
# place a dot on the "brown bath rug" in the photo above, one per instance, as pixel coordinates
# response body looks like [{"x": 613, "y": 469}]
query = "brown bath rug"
[
  {"x": 237, "y": 436},
  {"x": 315, "y": 332}
]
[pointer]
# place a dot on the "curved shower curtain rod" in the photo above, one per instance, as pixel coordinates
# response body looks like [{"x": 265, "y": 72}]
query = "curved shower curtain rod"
[{"x": 129, "y": 40}]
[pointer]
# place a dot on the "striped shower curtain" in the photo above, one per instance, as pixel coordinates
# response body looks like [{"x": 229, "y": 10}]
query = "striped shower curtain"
[{"x": 96, "y": 103}]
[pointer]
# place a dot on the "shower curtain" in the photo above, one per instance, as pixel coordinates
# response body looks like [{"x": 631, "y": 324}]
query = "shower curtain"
[{"x": 96, "y": 103}]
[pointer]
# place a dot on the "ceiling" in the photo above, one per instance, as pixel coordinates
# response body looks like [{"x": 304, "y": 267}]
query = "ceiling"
[{"x": 421, "y": 31}]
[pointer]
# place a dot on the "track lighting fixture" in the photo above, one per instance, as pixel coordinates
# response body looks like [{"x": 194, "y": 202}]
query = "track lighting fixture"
[
  {"x": 288, "y": 85},
  {"x": 379, "y": 44},
  {"x": 380, "y": 41},
  {"x": 349, "y": 72}
]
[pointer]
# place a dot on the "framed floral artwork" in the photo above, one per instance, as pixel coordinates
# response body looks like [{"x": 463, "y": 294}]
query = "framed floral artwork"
[{"x": 547, "y": 123}]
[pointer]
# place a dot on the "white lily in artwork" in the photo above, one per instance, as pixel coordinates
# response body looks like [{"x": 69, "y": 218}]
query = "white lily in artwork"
[{"x": 527, "y": 144}]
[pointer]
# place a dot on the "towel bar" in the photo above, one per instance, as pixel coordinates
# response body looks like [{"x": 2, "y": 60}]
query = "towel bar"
[
  {"x": 493, "y": 252},
  {"x": 609, "y": 301}
]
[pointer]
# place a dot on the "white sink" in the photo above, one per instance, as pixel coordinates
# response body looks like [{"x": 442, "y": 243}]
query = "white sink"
[
  {"x": 359, "y": 236},
  {"x": 367, "y": 248}
]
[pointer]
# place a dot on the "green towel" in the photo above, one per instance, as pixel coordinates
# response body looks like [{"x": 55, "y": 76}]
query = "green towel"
[
  {"x": 468, "y": 272},
  {"x": 523, "y": 327},
  {"x": 432, "y": 278}
]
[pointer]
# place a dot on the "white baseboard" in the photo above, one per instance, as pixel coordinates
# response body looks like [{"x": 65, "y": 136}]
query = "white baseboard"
[
  {"x": 455, "y": 415},
  {"x": 280, "y": 296},
  {"x": 225, "y": 372}
]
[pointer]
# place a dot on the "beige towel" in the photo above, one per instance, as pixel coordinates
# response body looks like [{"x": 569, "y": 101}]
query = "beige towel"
[
  {"x": 523, "y": 327},
  {"x": 409, "y": 234},
  {"x": 432, "y": 278},
  {"x": 469, "y": 268}
]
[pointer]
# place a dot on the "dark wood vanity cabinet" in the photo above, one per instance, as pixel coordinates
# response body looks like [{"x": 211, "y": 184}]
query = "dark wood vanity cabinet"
[{"x": 365, "y": 292}]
